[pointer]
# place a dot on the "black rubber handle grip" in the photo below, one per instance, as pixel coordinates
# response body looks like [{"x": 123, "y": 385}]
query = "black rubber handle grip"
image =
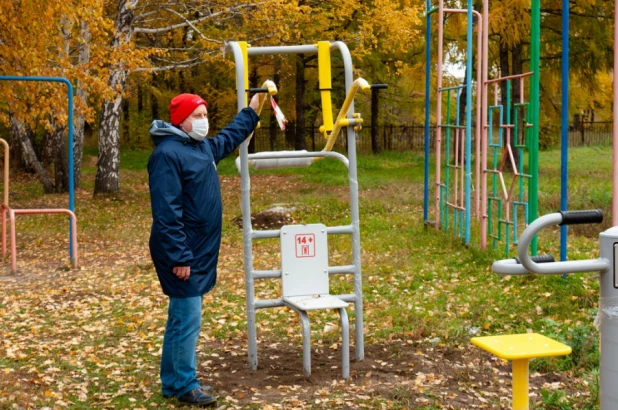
[
  {"x": 379, "y": 86},
  {"x": 540, "y": 259},
  {"x": 258, "y": 90},
  {"x": 592, "y": 216}
]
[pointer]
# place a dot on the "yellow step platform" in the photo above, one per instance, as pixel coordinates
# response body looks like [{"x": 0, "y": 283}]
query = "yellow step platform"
[{"x": 520, "y": 349}]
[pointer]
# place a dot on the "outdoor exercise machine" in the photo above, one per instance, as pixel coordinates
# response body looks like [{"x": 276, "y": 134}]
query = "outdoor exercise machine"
[
  {"x": 607, "y": 266},
  {"x": 498, "y": 204},
  {"x": 12, "y": 213},
  {"x": 304, "y": 269}
]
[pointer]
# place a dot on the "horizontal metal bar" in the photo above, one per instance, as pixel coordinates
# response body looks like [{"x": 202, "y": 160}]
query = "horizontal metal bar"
[
  {"x": 335, "y": 270},
  {"x": 299, "y": 154},
  {"x": 350, "y": 298},
  {"x": 254, "y": 51},
  {"x": 461, "y": 208},
  {"x": 265, "y": 234},
  {"x": 340, "y": 230},
  {"x": 275, "y": 233},
  {"x": 265, "y": 274},
  {"x": 510, "y": 77},
  {"x": 433, "y": 10},
  {"x": 452, "y": 126},
  {"x": 455, "y": 87},
  {"x": 271, "y": 303}
]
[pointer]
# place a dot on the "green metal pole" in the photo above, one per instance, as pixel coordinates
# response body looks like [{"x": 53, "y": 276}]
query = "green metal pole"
[{"x": 533, "y": 156}]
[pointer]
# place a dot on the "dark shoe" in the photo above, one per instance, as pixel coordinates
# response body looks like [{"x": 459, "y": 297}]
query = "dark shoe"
[
  {"x": 169, "y": 396},
  {"x": 197, "y": 397}
]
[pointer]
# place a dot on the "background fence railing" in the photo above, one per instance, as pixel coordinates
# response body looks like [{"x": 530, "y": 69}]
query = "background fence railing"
[{"x": 412, "y": 137}]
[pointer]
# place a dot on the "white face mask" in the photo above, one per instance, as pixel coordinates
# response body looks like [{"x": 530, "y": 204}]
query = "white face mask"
[{"x": 200, "y": 129}]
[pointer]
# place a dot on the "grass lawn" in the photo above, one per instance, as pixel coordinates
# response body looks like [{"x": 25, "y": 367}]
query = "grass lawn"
[{"x": 90, "y": 338}]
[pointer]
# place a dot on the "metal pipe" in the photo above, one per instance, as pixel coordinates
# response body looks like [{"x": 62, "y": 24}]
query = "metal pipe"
[
  {"x": 346, "y": 109},
  {"x": 306, "y": 49},
  {"x": 345, "y": 343},
  {"x": 479, "y": 92},
  {"x": 427, "y": 113},
  {"x": 340, "y": 230},
  {"x": 6, "y": 172},
  {"x": 510, "y": 77},
  {"x": 70, "y": 129},
  {"x": 240, "y": 51},
  {"x": 354, "y": 211},
  {"x": 266, "y": 274},
  {"x": 468, "y": 159},
  {"x": 564, "y": 146},
  {"x": 533, "y": 161},
  {"x": 266, "y": 304},
  {"x": 73, "y": 233},
  {"x": 5, "y": 202},
  {"x": 484, "y": 113},
  {"x": 259, "y": 158},
  {"x": 337, "y": 270},
  {"x": 439, "y": 113},
  {"x": 588, "y": 265}
]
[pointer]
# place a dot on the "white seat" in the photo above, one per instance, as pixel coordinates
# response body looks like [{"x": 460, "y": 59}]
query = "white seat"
[
  {"x": 315, "y": 302},
  {"x": 304, "y": 279}
]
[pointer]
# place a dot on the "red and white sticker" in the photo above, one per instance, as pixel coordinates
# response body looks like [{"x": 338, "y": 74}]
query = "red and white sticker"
[{"x": 305, "y": 245}]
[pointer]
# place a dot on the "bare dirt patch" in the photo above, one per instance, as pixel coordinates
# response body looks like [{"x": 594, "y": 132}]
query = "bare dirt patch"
[
  {"x": 408, "y": 374},
  {"x": 267, "y": 220}
]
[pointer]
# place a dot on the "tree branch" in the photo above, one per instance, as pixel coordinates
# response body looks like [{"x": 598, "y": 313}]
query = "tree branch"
[
  {"x": 193, "y": 27},
  {"x": 191, "y": 22}
]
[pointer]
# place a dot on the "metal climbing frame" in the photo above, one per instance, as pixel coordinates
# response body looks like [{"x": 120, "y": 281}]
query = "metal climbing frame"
[
  {"x": 508, "y": 139},
  {"x": 453, "y": 193},
  {"x": 497, "y": 206},
  {"x": 71, "y": 211},
  {"x": 241, "y": 52},
  {"x": 500, "y": 205}
]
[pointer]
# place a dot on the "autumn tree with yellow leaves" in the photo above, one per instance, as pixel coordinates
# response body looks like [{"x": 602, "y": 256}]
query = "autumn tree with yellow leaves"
[{"x": 122, "y": 51}]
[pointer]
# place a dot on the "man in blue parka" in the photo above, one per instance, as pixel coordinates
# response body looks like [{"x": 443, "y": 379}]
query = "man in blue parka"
[{"x": 186, "y": 229}]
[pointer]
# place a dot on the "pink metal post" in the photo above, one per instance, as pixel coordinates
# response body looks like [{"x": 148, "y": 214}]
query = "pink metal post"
[
  {"x": 480, "y": 25},
  {"x": 12, "y": 212},
  {"x": 439, "y": 110},
  {"x": 484, "y": 98},
  {"x": 5, "y": 200}
]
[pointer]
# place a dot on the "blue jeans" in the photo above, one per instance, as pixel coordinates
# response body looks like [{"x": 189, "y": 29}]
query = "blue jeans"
[{"x": 179, "y": 359}]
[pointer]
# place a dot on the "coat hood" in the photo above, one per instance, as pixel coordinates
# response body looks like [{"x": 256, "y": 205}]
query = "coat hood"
[{"x": 161, "y": 130}]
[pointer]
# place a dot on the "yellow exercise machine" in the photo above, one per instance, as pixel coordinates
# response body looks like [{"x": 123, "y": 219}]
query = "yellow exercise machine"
[{"x": 330, "y": 129}]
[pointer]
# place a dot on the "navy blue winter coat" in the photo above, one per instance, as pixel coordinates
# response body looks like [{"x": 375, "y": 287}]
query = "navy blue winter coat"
[{"x": 186, "y": 202}]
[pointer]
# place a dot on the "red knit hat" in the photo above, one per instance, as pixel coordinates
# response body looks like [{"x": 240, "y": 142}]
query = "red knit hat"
[{"x": 183, "y": 105}]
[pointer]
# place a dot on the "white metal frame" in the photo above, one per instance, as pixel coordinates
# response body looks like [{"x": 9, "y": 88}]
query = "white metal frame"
[{"x": 249, "y": 234}]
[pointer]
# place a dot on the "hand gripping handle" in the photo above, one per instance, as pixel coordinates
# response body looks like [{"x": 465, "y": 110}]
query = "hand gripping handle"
[{"x": 592, "y": 216}]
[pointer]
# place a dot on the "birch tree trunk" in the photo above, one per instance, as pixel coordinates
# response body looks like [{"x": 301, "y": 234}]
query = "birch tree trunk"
[
  {"x": 82, "y": 95},
  {"x": 21, "y": 134},
  {"x": 107, "y": 180}
]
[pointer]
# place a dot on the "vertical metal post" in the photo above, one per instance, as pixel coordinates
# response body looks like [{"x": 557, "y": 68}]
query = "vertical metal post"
[
  {"x": 535, "y": 67},
  {"x": 239, "y": 51},
  {"x": 354, "y": 211},
  {"x": 564, "y": 145},
  {"x": 484, "y": 119},
  {"x": 439, "y": 111},
  {"x": 427, "y": 115},
  {"x": 468, "y": 169},
  {"x": 521, "y": 388},
  {"x": 608, "y": 306},
  {"x": 478, "y": 129}
]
